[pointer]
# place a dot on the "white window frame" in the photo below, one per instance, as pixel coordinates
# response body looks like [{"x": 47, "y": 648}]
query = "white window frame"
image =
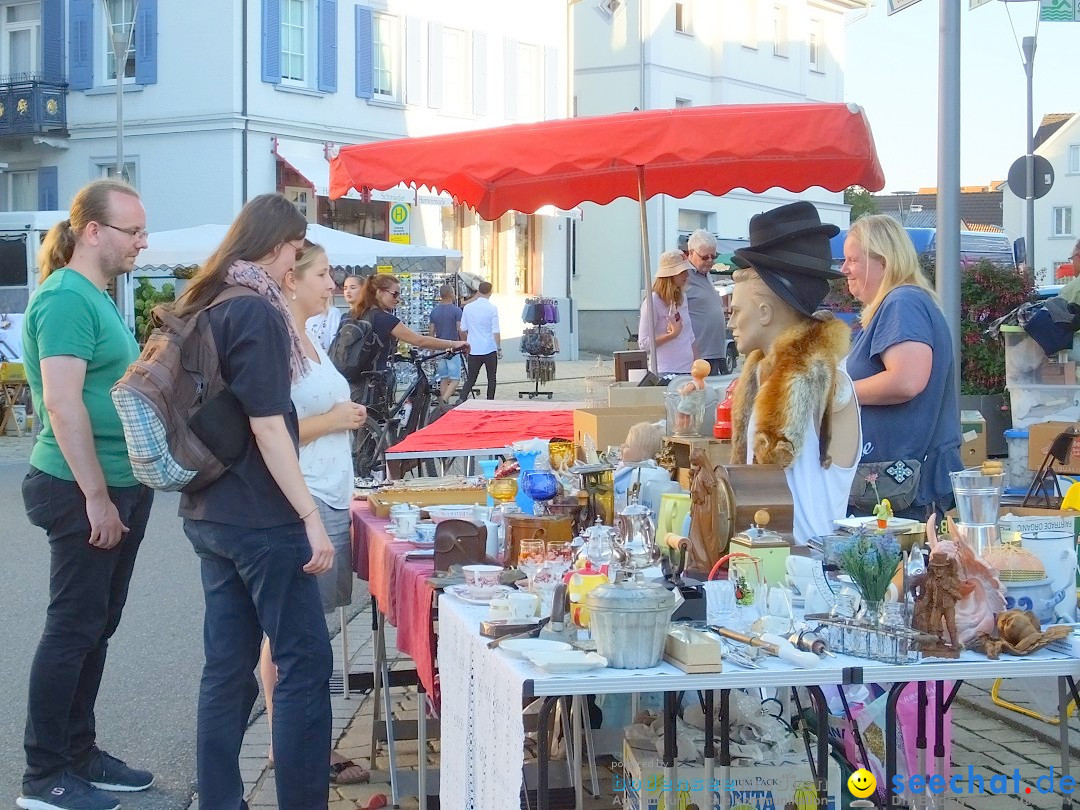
[
  {"x": 307, "y": 41},
  {"x": 33, "y": 26},
  {"x": 682, "y": 103},
  {"x": 107, "y": 50},
  {"x": 750, "y": 24},
  {"x": 684, "y": 18},
  {"x": 9, "y": 189},
  {"x": 529, "y": 83},
  {"x": 457, "y": 69},
  {"x": 1072, "y": 159},
  {"x": 781, "y": 30},
  {"x": 394, "y": 61},
  {"x": 1061, "y": 220},
  {"x": 815, "y": 45},
  {"x": 106, "y": 168}
]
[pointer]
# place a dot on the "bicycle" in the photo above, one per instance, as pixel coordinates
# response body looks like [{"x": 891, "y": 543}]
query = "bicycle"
[{"x": 417, "y": 407}]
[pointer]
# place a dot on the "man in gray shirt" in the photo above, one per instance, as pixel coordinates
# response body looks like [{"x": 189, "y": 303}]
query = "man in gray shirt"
[{"x": 706, "y": 305}]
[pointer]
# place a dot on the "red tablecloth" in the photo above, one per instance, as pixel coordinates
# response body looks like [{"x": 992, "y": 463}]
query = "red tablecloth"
[
  {"x": 399, "y": 587},
  {"x": 461, "y": 429}
]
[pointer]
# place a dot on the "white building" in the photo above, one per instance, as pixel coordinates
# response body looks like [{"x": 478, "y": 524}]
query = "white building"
[
  {"x": 227, "y": 99},
  {"x": 692, "y": 53},
  {"x": 1057, "y": 215}
]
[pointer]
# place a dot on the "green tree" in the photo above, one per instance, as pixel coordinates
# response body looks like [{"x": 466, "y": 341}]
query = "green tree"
[{"x": 861, "y": 201}]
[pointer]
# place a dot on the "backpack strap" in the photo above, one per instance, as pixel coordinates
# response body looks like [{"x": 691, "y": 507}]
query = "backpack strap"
[{"x": 162, "y": 315}]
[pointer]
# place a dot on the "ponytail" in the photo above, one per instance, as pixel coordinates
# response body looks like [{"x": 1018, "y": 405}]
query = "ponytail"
[{"x": 56, "y": 249}]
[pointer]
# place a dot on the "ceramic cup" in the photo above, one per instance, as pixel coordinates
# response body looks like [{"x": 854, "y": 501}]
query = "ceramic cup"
[
  {"x": 405, "y": 524},
  {"x": 523, "y": 604},
  {"x": 499, "y": 608},
  {"x": 425, "y": 532},
  {"x": 482, "y": 578}
]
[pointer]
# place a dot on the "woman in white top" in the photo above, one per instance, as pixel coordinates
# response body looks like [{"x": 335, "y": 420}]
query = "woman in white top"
[{"x": 326, "y": 414}]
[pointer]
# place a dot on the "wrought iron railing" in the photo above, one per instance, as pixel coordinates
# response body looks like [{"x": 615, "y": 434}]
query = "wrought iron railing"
[{"x": 30, "y": 104}]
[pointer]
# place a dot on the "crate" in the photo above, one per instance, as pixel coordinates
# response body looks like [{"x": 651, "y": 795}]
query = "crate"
[
  {"x": 1035, "y": 402},
  {"x": 1017, "y": 474},
  {"x": 717, "y": 450},
  {"x": 1026, "y": 363},
  {"x": 12, "y": 373},
  {"x": 381, "y": 502},
  {"x": 609, "y": 426}
]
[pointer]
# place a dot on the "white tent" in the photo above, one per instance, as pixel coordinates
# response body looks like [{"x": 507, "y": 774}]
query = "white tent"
[{"x": 187, "y": 247}]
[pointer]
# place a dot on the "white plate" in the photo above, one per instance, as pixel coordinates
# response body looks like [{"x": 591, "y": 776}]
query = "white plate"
[
  {"x": 521, "y": 647},
  {"x": 559, "y": 663},
  {"x": 894, "y": 523},
  {"x": 463, "y": 593},
  {"x": 420, "y": 554}
]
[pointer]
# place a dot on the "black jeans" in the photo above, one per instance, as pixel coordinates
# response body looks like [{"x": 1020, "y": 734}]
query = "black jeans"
[
  {"x": 253, "y": 583},
  {"x": 87, "y": 590},
  {"x": 490, "y": 362}
]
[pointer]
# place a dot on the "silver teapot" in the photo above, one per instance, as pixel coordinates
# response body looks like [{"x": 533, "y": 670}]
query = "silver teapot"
[{"x": 635, "y": 546}]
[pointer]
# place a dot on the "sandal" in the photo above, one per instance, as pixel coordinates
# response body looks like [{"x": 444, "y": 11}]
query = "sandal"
[{"x": 339, "y": 773}]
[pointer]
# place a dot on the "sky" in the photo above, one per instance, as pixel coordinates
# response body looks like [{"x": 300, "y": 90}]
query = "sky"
[{"x": 892, "y": 72}]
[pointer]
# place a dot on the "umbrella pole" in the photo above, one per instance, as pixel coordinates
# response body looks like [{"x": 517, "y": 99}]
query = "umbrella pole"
[{"x": 646, "y": 268}]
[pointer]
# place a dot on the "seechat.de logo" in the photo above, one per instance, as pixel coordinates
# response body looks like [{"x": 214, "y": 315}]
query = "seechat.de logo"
[{"x": 861, "y": 783}]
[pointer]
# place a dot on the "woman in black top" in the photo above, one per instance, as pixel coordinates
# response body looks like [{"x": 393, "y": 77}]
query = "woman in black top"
[{"x": 257, "y": 529}]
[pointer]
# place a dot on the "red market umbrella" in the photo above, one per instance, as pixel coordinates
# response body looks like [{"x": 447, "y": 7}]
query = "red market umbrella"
[
  {"x": 637, "y": 155},
  {"x": 1064, "y": 271}
]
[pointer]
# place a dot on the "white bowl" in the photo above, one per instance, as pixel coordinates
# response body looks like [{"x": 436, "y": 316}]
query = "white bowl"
[{"x": 520, "y": 647}]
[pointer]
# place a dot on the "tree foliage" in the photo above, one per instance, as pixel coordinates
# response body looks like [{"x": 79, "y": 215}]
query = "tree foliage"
[{"x": 861, "y": 201}]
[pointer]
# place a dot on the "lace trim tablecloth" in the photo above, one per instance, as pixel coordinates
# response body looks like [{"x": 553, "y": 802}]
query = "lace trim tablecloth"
[{"x": 481, "y": 715}]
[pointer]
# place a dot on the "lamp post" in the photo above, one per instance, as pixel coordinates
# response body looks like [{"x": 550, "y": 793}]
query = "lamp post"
[{"x": 120, "y": 36}]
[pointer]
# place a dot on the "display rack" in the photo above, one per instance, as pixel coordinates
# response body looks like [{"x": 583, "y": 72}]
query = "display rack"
[{"x": 539, "y": 343}]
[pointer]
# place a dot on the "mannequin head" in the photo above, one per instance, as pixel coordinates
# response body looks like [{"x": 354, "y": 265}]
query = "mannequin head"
[{"x": 758, "y": 315}]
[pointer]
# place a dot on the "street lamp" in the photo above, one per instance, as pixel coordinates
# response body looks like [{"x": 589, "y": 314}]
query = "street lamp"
[{"x": 121, "y": 32}]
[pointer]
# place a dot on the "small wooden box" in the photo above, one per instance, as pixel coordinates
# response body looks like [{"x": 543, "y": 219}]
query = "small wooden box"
[
  {"x": 692, "y": 651},
  {"x": 381, "y": 502},
  {"x": 718, "y": 451}
]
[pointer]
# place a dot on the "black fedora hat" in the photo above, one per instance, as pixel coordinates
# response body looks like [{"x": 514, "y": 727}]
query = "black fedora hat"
[{"x": 789, "y": 249}]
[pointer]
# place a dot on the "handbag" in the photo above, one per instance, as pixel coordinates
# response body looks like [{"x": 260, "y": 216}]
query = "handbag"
[
  {"x": 459, "y": 542},
  {"x": 896, "y": 480}
]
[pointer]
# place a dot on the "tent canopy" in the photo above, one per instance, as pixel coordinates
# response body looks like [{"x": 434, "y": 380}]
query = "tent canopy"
[
  {"x": 565, "y": 162},
  {"x": 187, "y": 247}
]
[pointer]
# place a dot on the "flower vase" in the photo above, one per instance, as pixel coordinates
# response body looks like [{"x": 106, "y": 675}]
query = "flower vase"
[
  {"x": 487, "y": 469},
  {"x": 526, "y": 460}
]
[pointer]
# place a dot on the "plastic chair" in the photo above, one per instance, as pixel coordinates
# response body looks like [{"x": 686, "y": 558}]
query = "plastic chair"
[{"x": 998, "y": 700}]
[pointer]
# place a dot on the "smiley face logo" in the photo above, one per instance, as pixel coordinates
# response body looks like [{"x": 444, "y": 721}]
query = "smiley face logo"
[{"x": 861, "y": 783}]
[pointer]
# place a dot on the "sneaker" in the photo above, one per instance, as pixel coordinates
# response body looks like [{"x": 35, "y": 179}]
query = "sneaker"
[
  {"x": 106, "y": 772},
  {"x": 65, "y": 791}
]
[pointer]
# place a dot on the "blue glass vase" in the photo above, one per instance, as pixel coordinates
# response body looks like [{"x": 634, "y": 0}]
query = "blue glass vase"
[
  {"x": 488, "y": 467},
  {"x": 526, "y": 460}
]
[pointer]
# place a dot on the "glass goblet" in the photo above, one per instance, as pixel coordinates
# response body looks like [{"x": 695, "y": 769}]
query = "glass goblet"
[
  {"x": 502, "y": 489},
  {"x": 560, "y": 556},
  {"x": 541, "y": 486},
  {"x": 531, "y": 556}
]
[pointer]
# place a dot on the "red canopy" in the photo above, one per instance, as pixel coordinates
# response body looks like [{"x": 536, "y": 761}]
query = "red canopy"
[
  {"x": 1064, "y": 271},
  {"x": 565, "y": 162}
]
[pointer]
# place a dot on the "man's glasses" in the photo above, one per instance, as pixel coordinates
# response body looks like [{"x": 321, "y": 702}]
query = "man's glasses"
[
  {"x": 135, "y": 233},
  {"x": 706, "y": 257}
]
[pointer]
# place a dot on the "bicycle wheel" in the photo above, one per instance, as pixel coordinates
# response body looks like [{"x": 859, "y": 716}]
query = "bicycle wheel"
[{"x": 369, "y": 448}]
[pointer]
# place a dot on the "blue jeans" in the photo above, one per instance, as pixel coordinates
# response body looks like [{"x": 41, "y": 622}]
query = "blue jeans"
[
  {"x": 253, "y": 583},
  {"x": 88, "y": 587}
]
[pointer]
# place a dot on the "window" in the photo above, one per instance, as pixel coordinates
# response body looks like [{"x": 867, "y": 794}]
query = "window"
[
  {"x": 119, "y": 19},
  {"x": 1063, "y": 225},
  {"x": 682, "y": 18},
  {"x": 22, "y": 191},
  {"x": 294, "y": 50},
  {"x": 780, "y": 30},
  {"x": 502, "y": 252},
  {"x": 21, "y": 38},
  {"x": 1073, "y": 161},
  {"x": 690, "y": 221},
  {"x": 522, "y": 233},
  {"x": 455, "y": 71},
  {"x": 529, "y": 83},
  {"x": 750, "y": 24},
  {"x": 387, "y": 57},
  {"x": 815, "y": 44},
  {"x": 682, "y": 102},
  {"x": 108, "y": 169}
]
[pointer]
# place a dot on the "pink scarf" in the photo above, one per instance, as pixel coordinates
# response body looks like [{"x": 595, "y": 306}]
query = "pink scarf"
[{"x": 246, "y": 274}]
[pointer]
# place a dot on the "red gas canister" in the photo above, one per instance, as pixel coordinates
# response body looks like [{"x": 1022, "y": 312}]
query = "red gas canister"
[{"x": 722, "y": 428}]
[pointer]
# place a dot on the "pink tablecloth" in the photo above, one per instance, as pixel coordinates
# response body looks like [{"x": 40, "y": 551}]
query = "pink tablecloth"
[{"x": 399, "y": 587}]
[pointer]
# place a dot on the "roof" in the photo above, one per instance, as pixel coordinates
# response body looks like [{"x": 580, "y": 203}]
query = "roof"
[
  {"x": 1050, "y": 123},
  {"x": 976, "y": 208}
]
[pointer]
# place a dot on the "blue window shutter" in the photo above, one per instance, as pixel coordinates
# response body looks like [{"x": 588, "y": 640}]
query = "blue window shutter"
[
  {"x": 365, "y": 53},
  {"x": 81, "y": 45},
  {"x": 47, "y": 192},
  {"x": 146, "y": 42},
  {"x": 271, "y": 41},
  {"x": 328, "y": 46},
  {"x": 52, "y": 40}
]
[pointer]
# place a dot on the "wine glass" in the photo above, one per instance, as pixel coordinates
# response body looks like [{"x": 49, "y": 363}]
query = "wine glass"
[
  {"x": 560, "y": 556},
  {"x": 531, "y": 556}
]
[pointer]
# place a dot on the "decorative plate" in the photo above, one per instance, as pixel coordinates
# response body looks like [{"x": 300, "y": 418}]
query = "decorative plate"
[
  {"x": 895, "y": 524},
  {"x": 466, "y": 595},
  {"x": 567, "y": 662},
  {"x": 521, "y": 647}
]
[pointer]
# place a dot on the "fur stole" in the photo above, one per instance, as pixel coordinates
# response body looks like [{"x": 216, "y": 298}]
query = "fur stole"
[{"x": 794, "y": 384}]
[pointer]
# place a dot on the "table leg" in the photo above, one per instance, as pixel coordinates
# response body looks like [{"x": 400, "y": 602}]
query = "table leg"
[
  {"x": 821, "y": 713},
  {"x": 890, "y": 741},
  {"x": 939, "y": 729},
  {"x": 543, "y": 799},
  {"x": 921, "y": 743},
  {"x": 575, "y": 735},
  {"x": 344, "y": 621},
  {"x": 421, "y": 746},
  {"x": 1063, "y": 736},
  {"x": 590, "y": 748},
  {"x": 671, "y": 711},
  {"x": 710, "y": 743},
  {"x": 376, "y": 676},
  {"x": 388, "y": 711},
  {"x": 725, "y": 743}
]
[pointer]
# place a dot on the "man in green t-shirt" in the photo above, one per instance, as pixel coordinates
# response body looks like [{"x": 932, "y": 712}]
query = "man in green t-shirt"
[{"x": 82, "y": 492}]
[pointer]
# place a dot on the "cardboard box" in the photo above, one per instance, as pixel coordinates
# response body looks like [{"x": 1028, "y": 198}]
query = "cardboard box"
[
  {"x": 1058, "y": 374},
  {"x": 1040, "y": 437},
  {"x": 973, "y": 428},
  {"x": 758, "y": 787},
  {"x": 609, "y": 426},
  {"x": 625, "y": 395},
  {"x": 718, "y": 451}
]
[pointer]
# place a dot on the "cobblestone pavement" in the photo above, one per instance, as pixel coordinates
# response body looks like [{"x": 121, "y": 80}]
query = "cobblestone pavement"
[{"x": 989, "y": 739}]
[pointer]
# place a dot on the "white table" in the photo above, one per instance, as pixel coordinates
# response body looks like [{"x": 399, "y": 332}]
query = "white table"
[{"x": 482, "y": 691}]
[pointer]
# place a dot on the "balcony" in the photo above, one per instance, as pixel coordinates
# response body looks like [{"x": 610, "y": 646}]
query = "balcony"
[{"x": 30, "y": 105}]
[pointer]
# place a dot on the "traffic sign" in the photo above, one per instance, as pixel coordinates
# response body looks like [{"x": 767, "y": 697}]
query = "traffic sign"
[
  {"x": 1044, "y": 177},
  {"x": 400, "y": 227},
  {"x": 1059, "y": 11},
  {"x": 899, "y": 5}
]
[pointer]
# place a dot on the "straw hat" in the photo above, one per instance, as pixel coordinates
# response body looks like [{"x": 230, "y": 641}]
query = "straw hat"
[{"x": 672, "y": 263}]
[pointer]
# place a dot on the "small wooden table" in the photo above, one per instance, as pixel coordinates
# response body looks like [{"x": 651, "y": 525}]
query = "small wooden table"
[{"x": 13, "y": 383}]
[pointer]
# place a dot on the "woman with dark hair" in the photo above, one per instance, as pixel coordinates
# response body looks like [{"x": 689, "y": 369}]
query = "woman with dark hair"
[
  {"x": 378, "y": 298},
  {"x": 258, "y": 529}
]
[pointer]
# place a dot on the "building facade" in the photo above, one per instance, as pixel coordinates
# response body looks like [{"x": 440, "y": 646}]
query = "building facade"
[
  {"x": 654, "y": 54},
  {"x": 226, "y": 99}
]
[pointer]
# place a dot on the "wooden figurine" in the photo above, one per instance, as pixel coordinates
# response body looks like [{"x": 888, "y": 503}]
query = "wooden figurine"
[
  {"x": 937, "y": 606},
  {"x": 705, "y": 548}
]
